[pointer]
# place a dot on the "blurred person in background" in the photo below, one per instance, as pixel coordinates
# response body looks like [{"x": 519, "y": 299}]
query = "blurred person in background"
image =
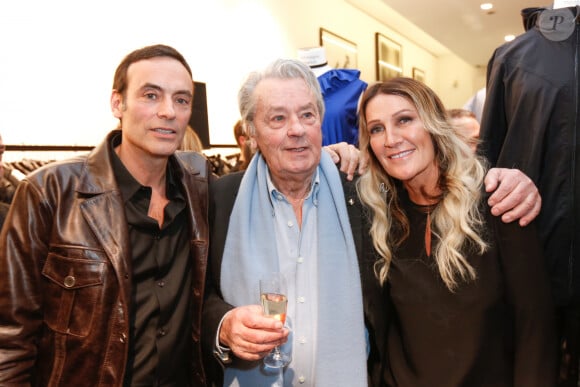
[
  {"x": 467, "y": 126},
  {"x": 191, "y": 141},
  {"x": 245, "y": 145}
]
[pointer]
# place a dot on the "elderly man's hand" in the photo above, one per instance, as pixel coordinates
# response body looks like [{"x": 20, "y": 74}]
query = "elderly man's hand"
[
  {"x": 515, "y": 196},
  {"x": 250, "y": 334},
  {"x": 349, "y": 157}
]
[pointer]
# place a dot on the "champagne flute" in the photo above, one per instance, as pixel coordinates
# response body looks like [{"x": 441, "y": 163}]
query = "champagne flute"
[{"x": 274, "y": 302}]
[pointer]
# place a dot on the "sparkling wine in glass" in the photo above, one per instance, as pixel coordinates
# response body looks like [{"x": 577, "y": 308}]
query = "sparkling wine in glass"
[{"x": 274, "y": 302}]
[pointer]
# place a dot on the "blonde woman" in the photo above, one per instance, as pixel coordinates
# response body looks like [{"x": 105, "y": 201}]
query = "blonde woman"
[{"x": 469, "y": 294}]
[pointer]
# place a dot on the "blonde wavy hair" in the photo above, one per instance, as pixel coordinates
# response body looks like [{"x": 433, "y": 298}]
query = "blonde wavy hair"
[{"x": 456, "y": 221}]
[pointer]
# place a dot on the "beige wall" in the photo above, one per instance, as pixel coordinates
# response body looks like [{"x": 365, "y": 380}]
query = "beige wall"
[{"x": 58, "y": 57}]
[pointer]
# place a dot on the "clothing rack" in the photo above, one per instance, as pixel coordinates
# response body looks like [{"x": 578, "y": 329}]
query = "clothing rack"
[{"x": 221, "y": 164}]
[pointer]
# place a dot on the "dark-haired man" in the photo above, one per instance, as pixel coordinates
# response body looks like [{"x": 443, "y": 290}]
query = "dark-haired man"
[{"x": 102, "y": 269}]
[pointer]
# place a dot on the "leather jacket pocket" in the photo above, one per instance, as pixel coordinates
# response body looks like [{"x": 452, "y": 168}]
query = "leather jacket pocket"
[{"x": 73, "y": 293}]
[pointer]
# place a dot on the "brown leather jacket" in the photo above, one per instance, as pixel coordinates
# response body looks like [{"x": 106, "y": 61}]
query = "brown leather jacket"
[{"x": 65, "y": 273}]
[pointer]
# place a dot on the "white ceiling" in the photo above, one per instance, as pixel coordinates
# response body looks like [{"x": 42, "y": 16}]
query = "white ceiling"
[{"x": 459, "y": 26}]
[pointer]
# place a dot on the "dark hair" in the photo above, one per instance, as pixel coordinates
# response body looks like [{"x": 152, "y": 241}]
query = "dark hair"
[{"x": 148, "y": 52}]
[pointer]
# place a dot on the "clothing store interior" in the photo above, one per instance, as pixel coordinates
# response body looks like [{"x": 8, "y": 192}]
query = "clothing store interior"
[
  {"x": 58, "y": 58},
  {"x": 71, "y": 81}
]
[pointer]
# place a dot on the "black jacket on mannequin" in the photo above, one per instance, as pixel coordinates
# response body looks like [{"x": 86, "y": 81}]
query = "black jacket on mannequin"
[{"x": 531, "y": 121}]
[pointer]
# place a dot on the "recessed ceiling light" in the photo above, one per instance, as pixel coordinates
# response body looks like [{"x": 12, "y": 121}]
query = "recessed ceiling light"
[
  {"x": 486, "y": 6},
  {"x": 509, "y": 38}
]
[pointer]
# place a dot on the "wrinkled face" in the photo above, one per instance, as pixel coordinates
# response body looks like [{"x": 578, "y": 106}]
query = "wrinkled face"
[
  {"x": 400, "y": 142},
  {"x": 288, "y": 128},
  {"x": 469, "y": 128},
  {"x": 156, "y": 107}
]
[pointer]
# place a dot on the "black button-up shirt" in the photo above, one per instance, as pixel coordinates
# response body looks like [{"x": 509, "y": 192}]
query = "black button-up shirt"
[{"x": 161, "y": 279}]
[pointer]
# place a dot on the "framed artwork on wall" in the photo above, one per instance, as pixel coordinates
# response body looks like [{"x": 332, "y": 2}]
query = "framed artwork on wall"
[
  {"x": 389, "y": 56},
  {"x": 341, "y": 53},
  {"x": 418, "y": 74}
]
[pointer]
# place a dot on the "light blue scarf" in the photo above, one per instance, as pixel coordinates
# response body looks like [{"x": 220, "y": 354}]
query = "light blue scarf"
[{"x": 250, "y": 251}]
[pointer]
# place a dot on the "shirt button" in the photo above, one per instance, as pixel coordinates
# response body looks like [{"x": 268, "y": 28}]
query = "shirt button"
[
  {"x": 301, "y": 300},
  {"x": 162, "y": 332},
  {"x": 290, "y": 224},
  {"x": 123, "y": 338},
  {"x": 302, "y": 379},
  {"x": 69, "y": 281},
  {"x": 300, "y": 259},
  {"x": 161, "y": 283},
  {"x": 302, "y": 340}
]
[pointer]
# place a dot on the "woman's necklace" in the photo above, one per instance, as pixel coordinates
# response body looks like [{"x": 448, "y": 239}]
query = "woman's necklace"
[
  {"x": 428, "y": 233},
  {"x": 426, "y": 208}
]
